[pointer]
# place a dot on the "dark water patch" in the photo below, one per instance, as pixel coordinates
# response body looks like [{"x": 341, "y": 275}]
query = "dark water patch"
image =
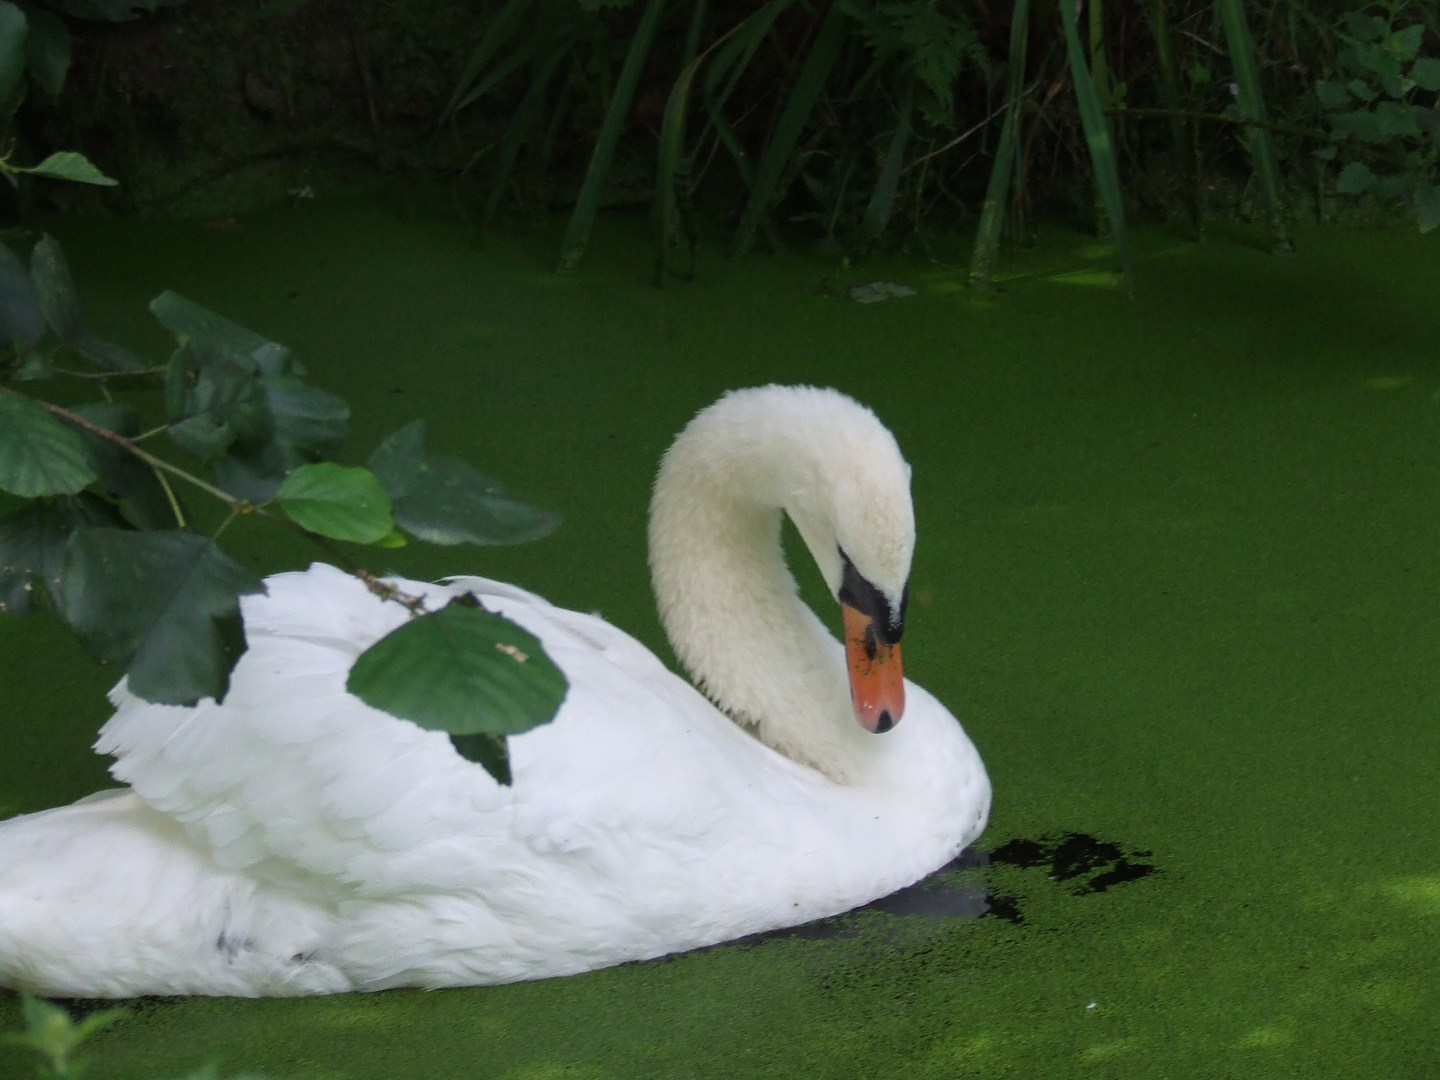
[
  {"x": 80, "y": 1008},
  {"x": 1076, "y": 855}
]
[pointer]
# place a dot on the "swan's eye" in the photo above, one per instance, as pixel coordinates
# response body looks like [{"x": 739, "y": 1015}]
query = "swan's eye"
[{"x": 856, "y": 591}]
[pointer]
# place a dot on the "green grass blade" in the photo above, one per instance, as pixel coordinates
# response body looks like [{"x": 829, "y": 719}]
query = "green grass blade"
[
  {"x": 499, "y": 73},
  {"x": 672, "y": 142},
  {"x": 882, "y": 200},
  {"x": 811, "y": 80},
  {"x": 1169, "y": 75},
  {"x": 1170, "y": 92},
  {"x": 496, "y": 35},
  {"x": 518, "y": 130},
  {"x": 733, "y": 59},
  {"x": 1252, "y": 105},
  {"x": 1097, "y": 136},
  {"x": 572, "y": 248},
  {"x": 992, "y": 213}
]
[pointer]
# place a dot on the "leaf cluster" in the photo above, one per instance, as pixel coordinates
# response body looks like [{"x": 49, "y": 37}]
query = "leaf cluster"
[
  {"x": 35, "y": 39},
  {"x": 55, "y": 1036},
  {"x": 1373, "y": 105},
  {"x": 106, "y": 540},
  {"x": 864, "y": 116}
]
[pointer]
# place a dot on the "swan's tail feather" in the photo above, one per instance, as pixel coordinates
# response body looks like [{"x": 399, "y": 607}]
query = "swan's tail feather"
[{"x": 109, "y": 898}]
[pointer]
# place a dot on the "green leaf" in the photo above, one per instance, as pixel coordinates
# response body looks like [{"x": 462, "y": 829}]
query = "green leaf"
[
  {"x": 1425, "y": 73},
  {"x": 124, "y": 476},
  {"x": 51, "y": 274},
  {"x": 1364, "y": 27},
  {"x": 68, "y": 165},
  {"x": 1406, "y": 44},
  {"x": 38, "y": 454},
  {"x": 1332, "y": 95},
  {"x": 444, "y": 501},
  {"x": 12, "y": 47},
  {"x": 809, "y": 83},
  {"x": 490, "y": 752},
  {"x": 398, "y": 460},
  {"x": 190, "y": 322},
  {"x": 451, "y": 503},
  {"x": 106, "y": 354},
  {"x": 463, "y": 670},
  {"x": 56, "y": 299},
  {"x": 393, "y": 539},
  {"x": 32, "y": 547},
  {"x": 617, "y": 115},
  {"x": 255, "y": 476},
  {"x": 1361, "y": 90},
  {"x": 1395, "y": 121},
  {"x": 32, "y": 551},
  {"x": 305, "y": 422},
  {"x": 162, "y": 604},
  {"x": 1361, "y": 123},
  {"x": 1355, "y": 179},
  {"x": 50, "y": 1032},
  {"x": 339, "y": 502},
  {"x": 306, "y": 418},
  {"x": 227, "y": 404},
  {"x": 47, "y": 50},
  {"x": 21, "y": 321}
]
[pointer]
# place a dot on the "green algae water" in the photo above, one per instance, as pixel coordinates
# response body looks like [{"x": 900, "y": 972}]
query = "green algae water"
[{"x": 1177, "y": 573}]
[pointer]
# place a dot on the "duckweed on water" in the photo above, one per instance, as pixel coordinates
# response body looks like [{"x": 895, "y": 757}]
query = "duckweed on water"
[{"x": 1176, "y": 573}]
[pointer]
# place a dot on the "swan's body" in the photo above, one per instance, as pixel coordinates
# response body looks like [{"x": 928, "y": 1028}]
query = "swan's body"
[{"x": 294, "y": 841}]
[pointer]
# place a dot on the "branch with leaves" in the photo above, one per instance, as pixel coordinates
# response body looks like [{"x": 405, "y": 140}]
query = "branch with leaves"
[{"x": 106, "y": 541}]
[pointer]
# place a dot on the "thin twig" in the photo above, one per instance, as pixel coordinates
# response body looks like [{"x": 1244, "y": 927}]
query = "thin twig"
[
  {"x": 174, "y": 502},
  {"x": 102, "y": 376},
  {"x": 1216, "y": 49},
  {"x": 149, "y": 459},
  {"x": 962, "y": 137},
  {"x": 386, "y": 591},
  {"x": 225, "y": 524}
]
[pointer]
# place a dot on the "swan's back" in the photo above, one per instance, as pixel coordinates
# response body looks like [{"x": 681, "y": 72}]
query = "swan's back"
[{"x": 339, "y": 847}]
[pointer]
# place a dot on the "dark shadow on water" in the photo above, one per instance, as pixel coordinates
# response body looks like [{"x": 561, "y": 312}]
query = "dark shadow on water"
[{"x": 958, "y": 890}]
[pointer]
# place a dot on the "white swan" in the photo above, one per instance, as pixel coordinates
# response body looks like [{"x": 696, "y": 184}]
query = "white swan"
[{"x": 295, "y": 841}]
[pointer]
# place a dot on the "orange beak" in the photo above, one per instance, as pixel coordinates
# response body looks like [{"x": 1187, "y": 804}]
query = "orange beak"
[{"x": 877, "y": 682}]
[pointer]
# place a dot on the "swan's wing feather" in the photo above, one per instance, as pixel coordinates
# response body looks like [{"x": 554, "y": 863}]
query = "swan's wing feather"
[
  {"x": 291, "y": 776},
  {"x": 303, "y": 784}
]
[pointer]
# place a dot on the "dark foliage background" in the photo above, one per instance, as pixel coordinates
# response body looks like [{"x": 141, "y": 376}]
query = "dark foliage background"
[{"x": 217, "y": 103}]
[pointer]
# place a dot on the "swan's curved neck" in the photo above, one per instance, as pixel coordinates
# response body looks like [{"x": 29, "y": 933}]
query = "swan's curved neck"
[{"x": 728, "y": 601}]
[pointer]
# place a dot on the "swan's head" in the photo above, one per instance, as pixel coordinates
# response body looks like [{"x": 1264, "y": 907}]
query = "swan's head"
[
  {"x": 852, "y": 507},
  {"x": 827, "y": 462}
]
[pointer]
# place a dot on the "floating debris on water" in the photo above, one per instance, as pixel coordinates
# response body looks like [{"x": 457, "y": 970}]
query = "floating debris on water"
[{"x": 875, "y": 291}]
